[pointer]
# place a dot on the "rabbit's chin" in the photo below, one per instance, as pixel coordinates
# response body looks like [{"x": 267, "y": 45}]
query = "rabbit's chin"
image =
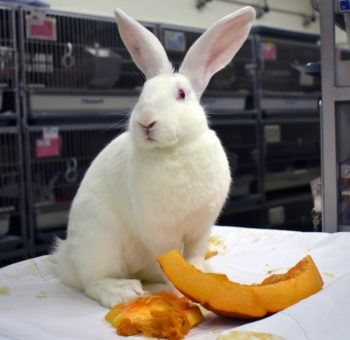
[{"x": 148, "y": 144}]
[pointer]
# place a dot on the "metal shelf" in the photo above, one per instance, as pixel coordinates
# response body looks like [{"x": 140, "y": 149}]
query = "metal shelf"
[{"x": 341, "y": 93}]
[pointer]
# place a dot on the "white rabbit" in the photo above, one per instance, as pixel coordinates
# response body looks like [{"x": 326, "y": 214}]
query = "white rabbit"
[{"x": 162, "y": 184}]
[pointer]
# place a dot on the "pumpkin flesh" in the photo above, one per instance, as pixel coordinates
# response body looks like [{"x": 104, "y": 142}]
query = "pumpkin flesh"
[{"x": 162, "y": 315}]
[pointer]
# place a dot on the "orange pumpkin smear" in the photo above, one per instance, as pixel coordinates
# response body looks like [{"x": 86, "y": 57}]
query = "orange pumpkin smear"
[{"x": 226, "y": 298}]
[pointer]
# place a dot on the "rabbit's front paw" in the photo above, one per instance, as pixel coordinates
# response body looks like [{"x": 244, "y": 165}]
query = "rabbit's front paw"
[{"x": 110, "y": 292}]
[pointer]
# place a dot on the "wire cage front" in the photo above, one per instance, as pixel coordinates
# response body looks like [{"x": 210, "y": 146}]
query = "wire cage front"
[
  {"x": 12, "y": 234},
  {"x": 240, "y": 140},
  {"x": 239, "y": 137},
  {"x": 293, "y": 213},
  {"x": 291, "y": 152},
  {"x": 6, "y": 261},
  {"x": 65, "y": 51},
  {"x": 8, "y": 48},
  {"x": 56, "y": 173},
  {"x": 247, "y": 216},
  {"x": 8, "y": 58},
  {"x": 282, "y": 56},
  {"x": 283, "y": 63},
  {"x": 343, "y": 163},
  {"x": 13, "y": 243},
  {"x": 236, "y": 80}
]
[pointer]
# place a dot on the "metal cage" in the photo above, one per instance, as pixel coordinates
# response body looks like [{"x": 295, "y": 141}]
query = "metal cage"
[
  {"x": 282, "y": 81},
  {"x": 342, "y": 54},
  {"x": 245, "y": 216},
  {"x": 66, "y": 56},
  {"x": 283, "y": 63},
  {"x": 79, "y": 79},
  {"x": 53, "y": 177},
  {"x": 291, "y": 213},
  {"x": 79, "y": 53},
  {"x": 75, "y": 69},
  {"x": 229, "y": 88},
  {"x": 291, "y": 152},
  {"x": 239, "y": 135},
  {"x": 13, "y": 258},
  {"x": 8, "y": 48},
  {"x": 8, "y": 59},
  {"x": 13, "y": 238},
  {"x": 13, "y": 242}
]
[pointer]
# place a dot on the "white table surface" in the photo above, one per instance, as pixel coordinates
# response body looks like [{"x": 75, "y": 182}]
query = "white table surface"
[{"x": 35, "y": 305}]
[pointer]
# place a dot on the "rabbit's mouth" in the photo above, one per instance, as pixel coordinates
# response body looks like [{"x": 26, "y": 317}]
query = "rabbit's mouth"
[{"x": 148, "y": 135}]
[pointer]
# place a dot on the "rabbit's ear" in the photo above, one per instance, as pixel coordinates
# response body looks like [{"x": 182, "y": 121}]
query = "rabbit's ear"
[
  {"x": 216, "y": 47},
  {"x": 145, "y": 49}
]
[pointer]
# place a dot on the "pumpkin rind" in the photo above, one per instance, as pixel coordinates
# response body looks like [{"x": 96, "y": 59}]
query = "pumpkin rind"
[{"x": 216, "y": 293}]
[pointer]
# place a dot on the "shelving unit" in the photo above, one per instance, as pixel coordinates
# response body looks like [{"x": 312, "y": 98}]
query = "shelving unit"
[
  {"x": 263, "y": 107},
  {"x": 13, "y": 236},
  {"x": 79, "y": 81},
  {"x": 288, "y": 101},
  {"x": 335, "y": 125}
]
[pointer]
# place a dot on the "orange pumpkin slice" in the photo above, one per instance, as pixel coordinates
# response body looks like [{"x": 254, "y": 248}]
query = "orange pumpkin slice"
[
  {"x": 162, "y": 315},
  {"x": 224, "y": 297}
]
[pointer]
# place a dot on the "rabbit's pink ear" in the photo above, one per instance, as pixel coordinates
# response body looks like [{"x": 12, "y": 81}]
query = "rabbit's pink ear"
[
  {"x": 145, "y": 49},
  {"x": 216, "y": 47}
]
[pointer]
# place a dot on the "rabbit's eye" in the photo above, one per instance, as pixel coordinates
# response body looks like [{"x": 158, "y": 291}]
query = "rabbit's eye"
[{"x": 181, "y": 94}]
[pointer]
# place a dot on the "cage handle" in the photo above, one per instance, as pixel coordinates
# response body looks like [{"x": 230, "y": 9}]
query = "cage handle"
[
  {"x": 68, "y": 60},
  {"x": 71, "y": 174}
]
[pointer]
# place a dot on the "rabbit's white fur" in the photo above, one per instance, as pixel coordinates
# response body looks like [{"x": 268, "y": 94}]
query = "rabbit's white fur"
[{"x": 152, "y": 190}]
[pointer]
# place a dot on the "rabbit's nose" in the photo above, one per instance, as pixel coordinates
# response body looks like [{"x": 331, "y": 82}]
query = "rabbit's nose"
[{"x": 148, "y": 126}]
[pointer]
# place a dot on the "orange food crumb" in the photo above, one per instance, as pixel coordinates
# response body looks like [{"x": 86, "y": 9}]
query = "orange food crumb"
[{"x": 210, "y": 254}]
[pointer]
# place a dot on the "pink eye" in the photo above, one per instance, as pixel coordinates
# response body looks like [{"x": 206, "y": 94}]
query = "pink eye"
[{"x": 181, "y": 94}]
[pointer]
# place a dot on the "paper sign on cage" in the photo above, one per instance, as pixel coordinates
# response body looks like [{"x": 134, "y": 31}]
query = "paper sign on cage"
[
  {"x": 50, "y": 132},
  {"x": 268, "y": 50},
  {"x": 47, "y": 147},
  {"x": 39, "y": 26}
]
